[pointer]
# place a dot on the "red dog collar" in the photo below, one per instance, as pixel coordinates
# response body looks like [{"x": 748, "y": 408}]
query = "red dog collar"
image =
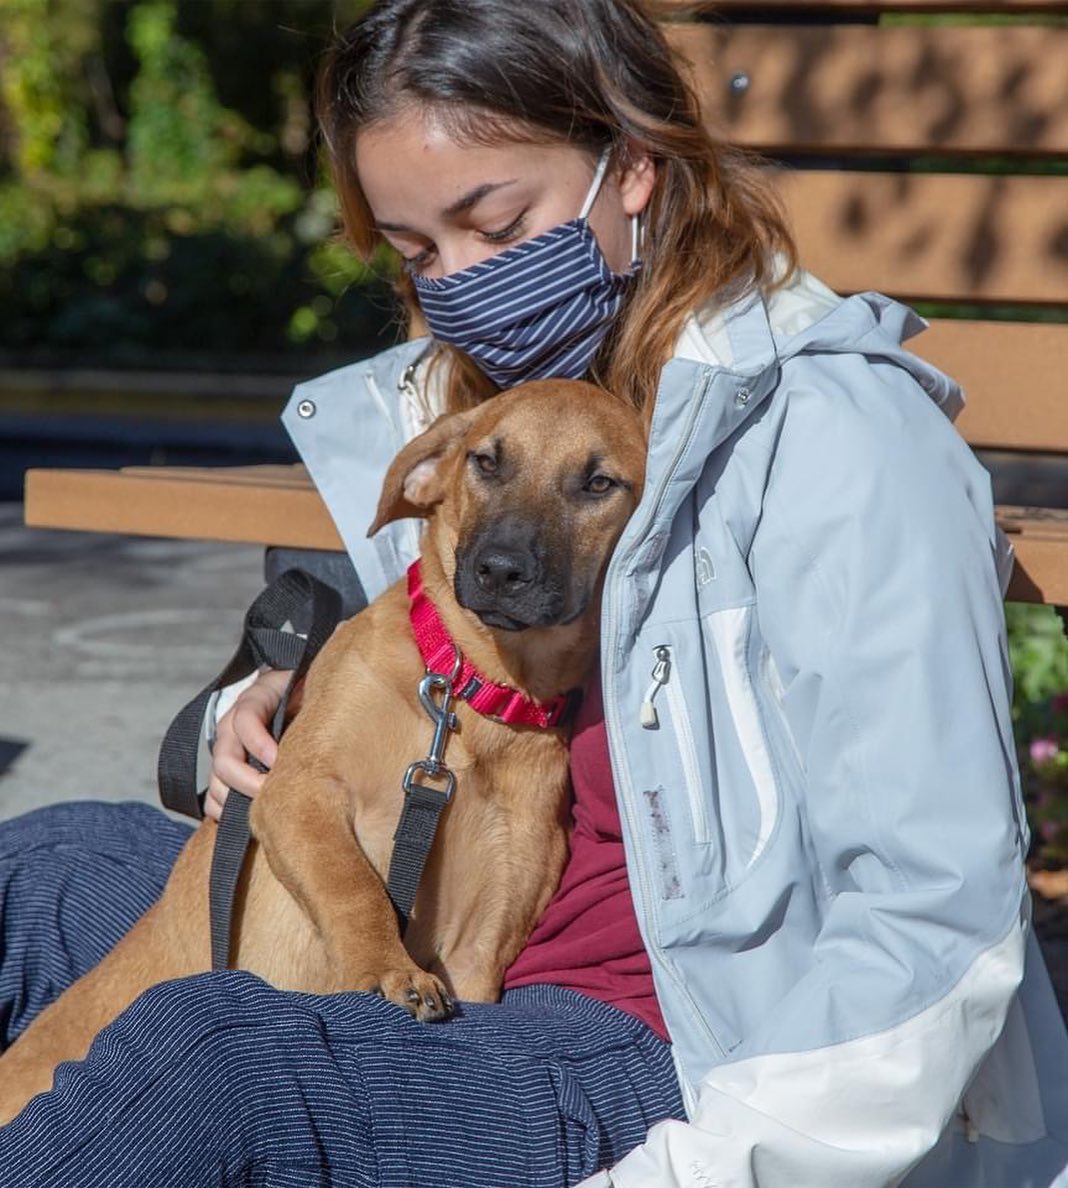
[{"x": 440, "y": 655}]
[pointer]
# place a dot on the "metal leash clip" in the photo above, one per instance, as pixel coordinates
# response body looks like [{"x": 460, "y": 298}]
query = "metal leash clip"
[{"x": 444, "y": 722}]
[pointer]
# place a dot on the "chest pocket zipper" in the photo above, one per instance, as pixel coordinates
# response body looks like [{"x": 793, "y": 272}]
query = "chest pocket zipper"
[
  {"x": 680, "y": 721},
  {"x": 650, "y": 720}
]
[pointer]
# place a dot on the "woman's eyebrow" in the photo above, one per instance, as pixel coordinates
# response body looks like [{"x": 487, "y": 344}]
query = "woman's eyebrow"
[
  {"x": 472, "y": 198},
  {"x": 475, "y": 196}
]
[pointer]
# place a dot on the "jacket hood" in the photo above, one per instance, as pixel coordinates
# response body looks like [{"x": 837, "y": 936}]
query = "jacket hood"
[{"x": 805, "y": 316}]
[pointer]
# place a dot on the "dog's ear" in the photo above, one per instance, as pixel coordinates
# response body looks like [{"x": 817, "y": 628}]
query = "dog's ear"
[{"x": 412, "y": 485}]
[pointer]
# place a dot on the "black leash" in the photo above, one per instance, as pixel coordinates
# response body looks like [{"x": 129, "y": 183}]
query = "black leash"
[
  {"x": 227, "y": 858},
  {"x": 294, "y": 598},
  {"x": 423, "y": 804}
]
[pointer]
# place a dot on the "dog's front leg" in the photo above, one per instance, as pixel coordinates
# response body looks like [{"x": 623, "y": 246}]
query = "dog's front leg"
[{"x": 303, "y": 823}]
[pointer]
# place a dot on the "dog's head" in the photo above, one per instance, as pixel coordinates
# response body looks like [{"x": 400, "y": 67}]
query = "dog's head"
[{"x": 526, "y": 496}]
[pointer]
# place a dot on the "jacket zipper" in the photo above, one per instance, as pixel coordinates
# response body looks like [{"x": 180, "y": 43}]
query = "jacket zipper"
[
  {"x": 661, "y": 671},
  {"x": 408, "y": 533},
  {"x": 680, "y": 722},
  {"x": 614, "y": 729}
]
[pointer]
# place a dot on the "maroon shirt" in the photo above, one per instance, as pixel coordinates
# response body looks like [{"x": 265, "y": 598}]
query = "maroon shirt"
[{"x": 588, "y": 939}]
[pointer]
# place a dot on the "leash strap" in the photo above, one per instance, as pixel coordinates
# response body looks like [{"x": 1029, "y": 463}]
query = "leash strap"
[
  {"x": 412, "y": 841},
  {"x": 294, "y": 598},
  {"x": 227, "y": 858},
  {"x": 423, "y": 803},
  {"x": 263, "y": 642}
]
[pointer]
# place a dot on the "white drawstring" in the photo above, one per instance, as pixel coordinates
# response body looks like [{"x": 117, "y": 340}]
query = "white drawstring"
[
  {"x": 591, "y": 198},
  {"x": 595, "y": 185}
]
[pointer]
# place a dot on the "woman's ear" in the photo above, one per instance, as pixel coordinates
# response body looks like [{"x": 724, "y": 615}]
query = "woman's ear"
[
  {"x": 637, "y": 176},
  {"x": 413, "y": 483}
]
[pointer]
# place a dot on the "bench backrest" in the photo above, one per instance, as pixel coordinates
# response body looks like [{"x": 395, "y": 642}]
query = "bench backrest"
[
  {"x": 923, "y": 147},
  {"x": 928, "y": 158}
]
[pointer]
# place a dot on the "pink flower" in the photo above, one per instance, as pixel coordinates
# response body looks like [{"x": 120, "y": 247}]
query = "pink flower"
[{"x": 1043, "y": 750}]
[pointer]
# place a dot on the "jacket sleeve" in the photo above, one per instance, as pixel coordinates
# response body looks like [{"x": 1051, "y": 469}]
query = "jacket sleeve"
[
  {"x": 878, "y": 596},
  {"x": 347, "y": 426}
]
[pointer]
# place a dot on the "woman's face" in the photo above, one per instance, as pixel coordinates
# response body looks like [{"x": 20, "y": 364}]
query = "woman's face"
[{"x": 445, "y": 205}]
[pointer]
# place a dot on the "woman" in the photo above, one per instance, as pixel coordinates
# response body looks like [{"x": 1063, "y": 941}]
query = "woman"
[{"x": 798, "y": 844}]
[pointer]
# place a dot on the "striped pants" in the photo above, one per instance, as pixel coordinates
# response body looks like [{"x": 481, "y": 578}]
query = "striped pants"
[{"x": 221, "y": 1080}]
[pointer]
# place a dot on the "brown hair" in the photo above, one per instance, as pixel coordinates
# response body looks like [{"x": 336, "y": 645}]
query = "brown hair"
[{"x": 591, "y": 73}]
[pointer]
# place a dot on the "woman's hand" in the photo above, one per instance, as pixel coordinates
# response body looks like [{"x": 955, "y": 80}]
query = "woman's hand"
[{"x": 243, "y": 731}]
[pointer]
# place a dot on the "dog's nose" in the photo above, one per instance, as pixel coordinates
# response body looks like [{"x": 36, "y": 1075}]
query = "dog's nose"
[{"x": 500, "y": 571}]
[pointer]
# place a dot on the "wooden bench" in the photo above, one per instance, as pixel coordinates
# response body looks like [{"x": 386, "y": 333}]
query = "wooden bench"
[{"x": 924, "y": 157}]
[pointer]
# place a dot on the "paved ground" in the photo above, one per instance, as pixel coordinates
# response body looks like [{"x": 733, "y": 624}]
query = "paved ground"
[{"x": 106, "y": 637}]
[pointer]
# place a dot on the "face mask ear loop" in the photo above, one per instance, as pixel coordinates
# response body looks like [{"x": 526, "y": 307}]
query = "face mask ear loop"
[{"x": 595, "y": 185}]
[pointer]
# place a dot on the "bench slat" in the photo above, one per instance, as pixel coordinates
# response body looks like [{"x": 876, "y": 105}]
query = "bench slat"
[
  {"x": 1041, "y": 570},
  {"x": 208, "y": 506},
  {"x": 859, "y": 88},
  {"x": 202, "y": 506},
  {"x": 1048, "y": 523},
  {"x": 1013, "y": 376},
  {"x": 262, "y": 475},
  {"x": 933, "y": 237}
]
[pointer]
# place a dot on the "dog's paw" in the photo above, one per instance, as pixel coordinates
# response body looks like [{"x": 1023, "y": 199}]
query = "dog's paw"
[{"x": 419, "y": 993}]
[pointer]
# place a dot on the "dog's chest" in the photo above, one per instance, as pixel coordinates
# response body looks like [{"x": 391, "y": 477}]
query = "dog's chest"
[{"x": 494, "y": 866}]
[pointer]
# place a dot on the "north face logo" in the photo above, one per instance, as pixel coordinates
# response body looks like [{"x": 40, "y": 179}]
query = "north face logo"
[{"x": 706, "y": 571}]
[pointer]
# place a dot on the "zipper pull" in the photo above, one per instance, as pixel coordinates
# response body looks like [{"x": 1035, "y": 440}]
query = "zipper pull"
[
  {"x": 407, "y": 379},
  {"x": 661, "y": 673},
  {"x": 407, "y": 383}
]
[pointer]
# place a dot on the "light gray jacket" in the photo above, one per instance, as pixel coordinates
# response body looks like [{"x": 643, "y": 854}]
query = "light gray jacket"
[{"x": 822, "y": 815}]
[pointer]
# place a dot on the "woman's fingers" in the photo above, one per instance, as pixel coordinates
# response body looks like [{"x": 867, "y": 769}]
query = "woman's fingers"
[
  {"x": 251, "y": 722},
  {"x": 215, "y": 798},
  {"x": 244, "y": 731}
]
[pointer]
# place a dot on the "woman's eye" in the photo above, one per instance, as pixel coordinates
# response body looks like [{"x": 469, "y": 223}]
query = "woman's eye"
[
  {"x": 512, "y": 231},
  {"x": 600, "y": 484},
  {"x": 417, "y": 262}
]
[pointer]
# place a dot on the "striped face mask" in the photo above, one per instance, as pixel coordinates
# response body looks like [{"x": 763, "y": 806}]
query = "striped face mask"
[{"x": 536, "y": 310}]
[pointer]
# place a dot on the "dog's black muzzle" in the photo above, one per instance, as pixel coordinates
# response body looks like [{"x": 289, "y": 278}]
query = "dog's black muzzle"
[{"x": 504, "y": 576}]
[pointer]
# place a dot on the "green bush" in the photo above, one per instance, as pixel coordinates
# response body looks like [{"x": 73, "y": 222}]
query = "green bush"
[
  {"x": 141, "y": 216},
  {"x": 1039, "y": 653}
]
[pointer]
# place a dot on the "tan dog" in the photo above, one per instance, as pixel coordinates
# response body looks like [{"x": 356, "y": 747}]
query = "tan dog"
[{"x": 526, "y": 496}]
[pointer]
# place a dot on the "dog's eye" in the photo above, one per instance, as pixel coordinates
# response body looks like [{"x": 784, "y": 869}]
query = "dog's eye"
[
  {"x": 600, "y": 484},
  {"x": 486, "y": 463}
]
